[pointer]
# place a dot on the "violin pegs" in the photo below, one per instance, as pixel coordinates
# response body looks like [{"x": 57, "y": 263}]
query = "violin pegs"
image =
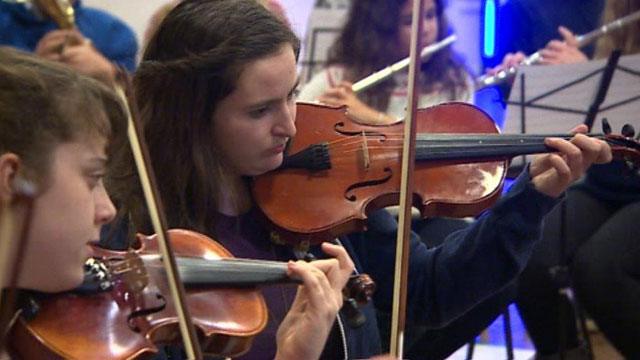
[
  {"x": 628, "y": 131},
  {"x": 309, "y": 257},
  {"x": 606, "y": 127},
  {"x": 30, "y": 307}
]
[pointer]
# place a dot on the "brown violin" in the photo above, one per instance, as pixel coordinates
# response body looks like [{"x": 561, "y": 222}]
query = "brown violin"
[
  {"x": 130, "y": 312},
  {"x": 336, "y": 170}
]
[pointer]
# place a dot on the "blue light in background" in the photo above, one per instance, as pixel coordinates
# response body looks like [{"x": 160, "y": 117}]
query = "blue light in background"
[{"x": 489, "y": 29}]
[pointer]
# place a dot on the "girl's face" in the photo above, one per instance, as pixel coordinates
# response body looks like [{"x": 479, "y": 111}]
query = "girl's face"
[
  {"x": 429, "y": 30},
  {"x": 67, "y": 215},
  {"x": 252, "y": 124}
]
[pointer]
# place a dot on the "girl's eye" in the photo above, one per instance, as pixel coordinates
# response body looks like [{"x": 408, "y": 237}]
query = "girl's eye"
[
  {"x": 258, "y": 113},
  {"x": 95, "y": 180},
  {"x": 294, "y": 94}
]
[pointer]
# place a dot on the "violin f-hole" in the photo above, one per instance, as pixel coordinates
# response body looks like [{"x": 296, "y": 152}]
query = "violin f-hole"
[
  {"x": 339, "y": 128},
  {"x": 350, "y": 195},
  {"x": 131, "y": 318}
]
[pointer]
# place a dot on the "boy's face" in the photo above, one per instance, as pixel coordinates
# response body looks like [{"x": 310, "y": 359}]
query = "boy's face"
[{"x": 65, "y": 216}]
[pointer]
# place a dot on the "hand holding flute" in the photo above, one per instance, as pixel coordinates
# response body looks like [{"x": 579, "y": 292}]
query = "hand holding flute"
[{"x": 556, "y": 52}]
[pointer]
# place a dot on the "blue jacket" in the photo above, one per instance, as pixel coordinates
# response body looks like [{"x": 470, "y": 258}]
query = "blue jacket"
[
  {"x": 615, "y": 183},
  {"x": 447, "y": 281},
  {"x": 21, "y": 29}
]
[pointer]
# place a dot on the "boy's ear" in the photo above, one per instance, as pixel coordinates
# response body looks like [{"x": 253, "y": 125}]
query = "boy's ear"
[{"x": 9, "y": 166}]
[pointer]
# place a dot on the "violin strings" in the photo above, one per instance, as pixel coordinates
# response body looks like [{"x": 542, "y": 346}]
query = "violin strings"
[
  {"x": 447, "y": 137},
  {"x": 451, "y": 143}
]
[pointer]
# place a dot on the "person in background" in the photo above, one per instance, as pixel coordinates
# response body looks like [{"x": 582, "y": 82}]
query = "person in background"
[
  {"x": 377, "y": 34},
  {"x": 527, "y": 26},
  {"x": 602, "y": 253},
  {"x": 98, "y": 44}
]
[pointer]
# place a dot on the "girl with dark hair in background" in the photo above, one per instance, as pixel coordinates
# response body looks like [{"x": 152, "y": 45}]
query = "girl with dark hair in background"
[{"x": 377, "y": 34}]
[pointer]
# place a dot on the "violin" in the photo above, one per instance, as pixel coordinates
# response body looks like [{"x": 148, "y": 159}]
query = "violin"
[
  {"x": 336, "y": 170},
  {"x": 128, "y": 311}
]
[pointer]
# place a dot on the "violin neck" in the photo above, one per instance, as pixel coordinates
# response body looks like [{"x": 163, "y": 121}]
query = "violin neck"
[
  {"x": 196, "y": 272},
  {"x": 476, "y": 147}
]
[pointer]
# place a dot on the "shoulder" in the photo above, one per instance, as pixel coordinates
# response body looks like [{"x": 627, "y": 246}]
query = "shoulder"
[
  {"x": 99, "y": 24},
  {"x": 331, "y": 75},
  {"x": 110, "y": 35},
  {"x": 466, "y": 93},
  {"x": 14, "y": 15},
  {"x": 320, "y": 82},
  {"x": 99, "y": 17}
]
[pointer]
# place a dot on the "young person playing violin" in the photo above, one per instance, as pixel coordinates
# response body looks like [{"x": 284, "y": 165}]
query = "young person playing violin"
[
  {"x": 63, "y": 153},
  {"x": 377, "y": 34},
  {"x": 54, "y": 126},
  {"x": 73, "y": 125},
  {"x": 216, "y": 90}
]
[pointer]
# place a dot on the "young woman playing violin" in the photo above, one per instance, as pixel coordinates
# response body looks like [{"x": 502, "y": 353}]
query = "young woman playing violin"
[
  {"x": 377, "y": 34},
  {"x": 64, "y": 152},
  {"x": 216, "y": 90},
  {"x": 54, "y": 126}
]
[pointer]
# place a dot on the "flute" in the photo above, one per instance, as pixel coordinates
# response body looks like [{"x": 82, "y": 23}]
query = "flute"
[
  {"x": 385, "y": 73},
  {"x": 60, "y": 11},
  {"x": 583, "y": 40}
]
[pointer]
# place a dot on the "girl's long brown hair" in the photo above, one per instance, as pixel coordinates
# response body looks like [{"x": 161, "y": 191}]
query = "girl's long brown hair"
[
  {"x": 367, "y": 43},
  {"x": 191, "y": 63}
]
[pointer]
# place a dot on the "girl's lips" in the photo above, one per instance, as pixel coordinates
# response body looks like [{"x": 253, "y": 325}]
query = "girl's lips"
[{"x": 277, "y": 149}]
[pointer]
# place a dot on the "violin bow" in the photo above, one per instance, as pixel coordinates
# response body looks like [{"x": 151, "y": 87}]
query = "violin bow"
[
  {"x": 156, "y": 213},
  {"x": 398, "y": 312}
]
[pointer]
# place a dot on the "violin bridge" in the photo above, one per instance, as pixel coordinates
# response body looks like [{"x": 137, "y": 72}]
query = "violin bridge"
[{"x": 365, "y": 152}]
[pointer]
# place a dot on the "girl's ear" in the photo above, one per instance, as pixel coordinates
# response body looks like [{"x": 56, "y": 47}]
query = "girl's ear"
[{"x": 9, "y": 166}]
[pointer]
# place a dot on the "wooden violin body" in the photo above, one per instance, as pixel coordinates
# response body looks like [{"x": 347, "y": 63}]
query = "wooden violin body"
[
  {"x": 336, "y": 171},
  {"x": 103, "y": 325},
  {"x": 315, "y": 205}
]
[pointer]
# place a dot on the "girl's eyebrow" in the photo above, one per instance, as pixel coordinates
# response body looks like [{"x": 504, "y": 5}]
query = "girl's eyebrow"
[
  {"x": 97, "y": 162},
  {"x": 272, "y": 101}
]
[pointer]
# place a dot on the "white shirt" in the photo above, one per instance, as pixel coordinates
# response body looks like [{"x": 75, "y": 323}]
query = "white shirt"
[{"x": 331, "y": 77}]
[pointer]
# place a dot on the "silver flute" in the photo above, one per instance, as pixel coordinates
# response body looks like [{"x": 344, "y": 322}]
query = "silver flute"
[
  {"x": 385, "y": 73},
  {"x": 583, "y": 40}
]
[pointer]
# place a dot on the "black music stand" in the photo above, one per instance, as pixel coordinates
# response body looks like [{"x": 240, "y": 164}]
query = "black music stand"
[{"x": 587, "y": 74}]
